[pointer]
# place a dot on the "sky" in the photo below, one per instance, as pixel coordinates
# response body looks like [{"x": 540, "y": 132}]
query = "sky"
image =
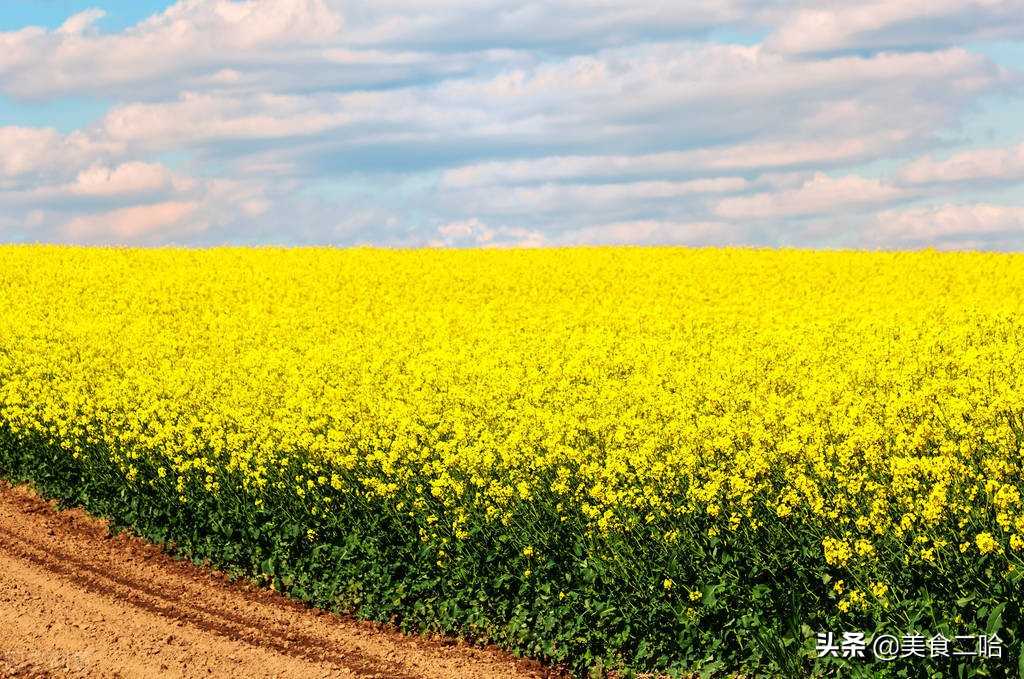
[{"x": 447, "y": 123}]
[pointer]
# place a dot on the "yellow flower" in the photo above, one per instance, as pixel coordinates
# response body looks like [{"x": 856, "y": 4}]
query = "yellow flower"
[
  {"x": 628, "y": 395},
  {"x": 986, "y": 543},
  {"x": 837, "y": 552},
  {"x": 864, "y": 548},
  {"x": 854, "y": 600}
]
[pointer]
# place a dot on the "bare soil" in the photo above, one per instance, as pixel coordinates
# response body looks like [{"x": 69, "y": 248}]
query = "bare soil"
[{"x": 76, "y": 601}]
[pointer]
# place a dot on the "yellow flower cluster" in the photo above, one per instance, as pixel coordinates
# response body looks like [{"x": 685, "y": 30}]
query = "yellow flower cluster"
[{"x": 874, "y": 399}]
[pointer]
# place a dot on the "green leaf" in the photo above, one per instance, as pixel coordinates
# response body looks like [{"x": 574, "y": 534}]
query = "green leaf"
[{"x": 995, "y": 619}]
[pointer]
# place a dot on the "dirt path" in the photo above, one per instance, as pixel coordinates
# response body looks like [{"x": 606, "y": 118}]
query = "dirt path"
[{"x": 76, "y": 602}]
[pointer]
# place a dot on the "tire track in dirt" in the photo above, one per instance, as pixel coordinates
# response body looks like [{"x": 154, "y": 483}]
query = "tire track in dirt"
[
  {"x": 75, "y": 601},
  {"x": 201, "y": 617}
]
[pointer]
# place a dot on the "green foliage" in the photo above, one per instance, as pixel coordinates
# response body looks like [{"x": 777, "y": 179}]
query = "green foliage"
[{"x": 592, "y": 605}]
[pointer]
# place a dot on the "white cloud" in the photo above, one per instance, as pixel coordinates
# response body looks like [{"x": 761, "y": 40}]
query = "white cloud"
[
  {"x": 467, "y": 228},
  {"x": 134, "y": 224},
  {"x": 228, "y": 41},
  {"x": 578, "y": 103},
  {"x": 132, "y": 202},
  {"x": 655, "y": 232},
  {"x": 820, "y": 194},
  {"x": 552, "y": 122},
  {"x": 589, "y": 197},
  {"x": 878, "y": 24},
  {"x": 78, "y": 24},
  {"x": 103, "y": 184},
  {"x": 25, "y": 149},
  {"x": 983, "y": 165},
  {"x": 475, "y": 233},
  {"x": 969, "y": 226},
  {"x": 201, "y": 118},
  {"x": 737, "y": 157},
  {"x": 189, "y": 35},
  {"x": 124, "y": 179},
  {"x": 33, "y": 156},
  {"x": 560, "y": 24}
]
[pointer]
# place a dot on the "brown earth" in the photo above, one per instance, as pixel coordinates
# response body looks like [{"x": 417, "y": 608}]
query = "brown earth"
[{"x": 78, "y": 602}]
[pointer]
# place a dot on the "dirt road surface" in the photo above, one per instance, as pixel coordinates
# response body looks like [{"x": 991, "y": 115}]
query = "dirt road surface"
[{"x": 76, "y": 602}]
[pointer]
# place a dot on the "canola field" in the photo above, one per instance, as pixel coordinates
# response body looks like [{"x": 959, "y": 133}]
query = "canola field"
[{"x": 635, "y": 459}]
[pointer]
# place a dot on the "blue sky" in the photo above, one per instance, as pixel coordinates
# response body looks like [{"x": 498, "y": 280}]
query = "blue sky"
[
  {"x": 52, "y": 13},
  {"x": 452, "y": 123}
]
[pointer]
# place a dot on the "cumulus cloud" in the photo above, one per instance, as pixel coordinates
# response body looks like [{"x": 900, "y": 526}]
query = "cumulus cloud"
[
  {"x": 818, "y": 195},
  {"x": 77, "y": 24},
  {"x": 248, "y": 42},
  {"x": 100, "y": 185},
  {"x": 130, "y": 203},
  {"x": 134, "y": 224},
  {"x": 547, "y": 198},
  {"x": 189, "y": 35},
  {"x": 744, "y": 157},
  {"x": 949, "y": 226},
  {"x": 974, "y": 166},
  {"x": 656, "y": 232},
  {"x": 452, "y": 123},
  {"x": 475, "y": 233},
  {"x": 576, "y": 104},
  {"x": 124, "y": 179},
  {"x": 878, "y": 24},
  {"x": 563, "y": 25},
  {"x": 30, "y": 154},
  {"x": 25, "y": 149}
]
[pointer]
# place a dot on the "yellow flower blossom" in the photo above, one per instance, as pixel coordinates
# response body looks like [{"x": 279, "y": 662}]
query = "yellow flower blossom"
[
  {"x": 658, "y": 398},
  {"x": 986, "y": 543}
]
